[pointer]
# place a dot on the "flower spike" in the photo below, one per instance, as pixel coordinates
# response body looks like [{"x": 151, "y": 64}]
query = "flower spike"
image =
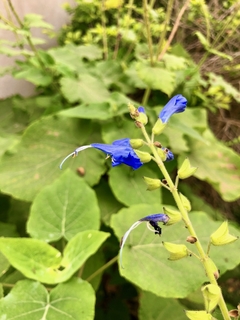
[
  {"x": 152, "y": 220},
  {"x": 120, "y": 152}
]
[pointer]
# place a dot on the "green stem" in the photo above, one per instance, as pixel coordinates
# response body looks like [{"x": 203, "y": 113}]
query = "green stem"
[
  {"x": 147, "y": 25},
  {"x": 104, "y": 267},
  {"x": 105, "y": 41},
  {"x": 146, "y": 96},
  {"x": 204, "y": 258},
  {"x": 166, "y": 23}
]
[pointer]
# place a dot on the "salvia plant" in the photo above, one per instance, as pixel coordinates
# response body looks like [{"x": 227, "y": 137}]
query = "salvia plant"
[{"x": 126, "y": 151}]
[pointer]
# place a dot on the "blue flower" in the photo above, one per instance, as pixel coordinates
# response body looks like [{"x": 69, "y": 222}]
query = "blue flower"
[
  {"x": 120, "y": 151},
  {"x": 152, "y": 220},
  {"x": 141, "y": 109},
  {"x": 169, "y": 154},
  {"x": 176, "y": 105}
]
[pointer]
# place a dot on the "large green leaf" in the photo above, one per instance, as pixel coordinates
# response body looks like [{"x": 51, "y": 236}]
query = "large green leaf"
[
  {"x": 106, "y": 201},
  {"x": 217, "y": 164},
  {"x": 40, "y": 261},
  {"x": 30, "y": 300},
  {"x": 157, "y": 78},
  {"x": 129, "y": 188},
  {"x": 44, "y": 144},
  {"x": 87, "y": 89},
  {"x": 63, "y": 209},
  {"x": 153, "y": 307},
  {"x": 115, "y": 105},
  {"x": 146, "y": 261}
]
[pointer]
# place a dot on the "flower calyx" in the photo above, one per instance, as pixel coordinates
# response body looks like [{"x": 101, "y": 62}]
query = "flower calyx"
[
  {"x": 186, "y": 170},
  {"x": 198, "y": 315},
  {"x": 152, "y": 184},
  {"x": 222, "y": 236},
  {"x": 211, "y": 294},
  {"x": 174, "y": 215},
  {"x": 186, "y": 203},
  {"x": 177, "y": 251}
]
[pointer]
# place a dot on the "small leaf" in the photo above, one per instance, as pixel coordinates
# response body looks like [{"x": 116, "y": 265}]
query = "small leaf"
[{"x": 34, "y": 75}]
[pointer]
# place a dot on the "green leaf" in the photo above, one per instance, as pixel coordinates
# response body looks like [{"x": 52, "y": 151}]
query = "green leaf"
[
  {"x": 93, "y": 264},
  {"x": 120, "y": 129},
  {"x": 174, "y": 62},
  {"x": 115, "y": 105},
  {"x": 40, "y": 261},
  {"x": 32, "y": 20},
  {"x": 216, "y": 81},
  {"x": 217, "y": 164},
  {"x": 34, "y": 75},
  {"x": 63, "y": 209},
  {"x": 154, "y": 308},
  {"x": 106, "y": 201},
  {"x": 31, "y": 300},
  {"x": 99, "y": 111},
  {"x": 188, "y": 123},
  {"x": 44, "y": 144},
  {"x": 87, "y": 89},
  {"x": 124, "y": 178},
  {"x": 157, "y": 78},
  {"x": 203, "y": 40},
  {"x": 146, "y": 262},
  {"x": 4, "y": 264}
]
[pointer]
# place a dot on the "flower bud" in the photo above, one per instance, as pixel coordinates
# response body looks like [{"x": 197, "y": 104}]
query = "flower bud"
[
  {"x": 221, "y": 236},
  {"x": 234, "y": 313},
  {"x": 174, "y": 216},
  {"x": 186, "y": 170},
  {"x": 213, "y": 268},
  {"x": 152, "y": 184},
  {"x": 143, "y": 156},
  {"x": 162, "y": 154},
  {"x": 191, "y": 239},
  {"x": 211, "y": 294},
  {"x": 158, "y": 127},
  {"x": 186, "y": 203},
  {"x": 177, "y": 251},
  {"x": 136, "y": 143},
  {"x": 132, "y": 110},
  {"x": 198, "y": 315},
  {"x": 142, "y": 118}
]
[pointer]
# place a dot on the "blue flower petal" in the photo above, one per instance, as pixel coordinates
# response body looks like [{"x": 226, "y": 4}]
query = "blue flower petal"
[
  {"x": 141, "y": 109},
  {"x": 120, "y": 152},
  {"x": 170, "y": 155},
  {"x": 176, "y": 105},
  {"x": 157, "y": 217}
]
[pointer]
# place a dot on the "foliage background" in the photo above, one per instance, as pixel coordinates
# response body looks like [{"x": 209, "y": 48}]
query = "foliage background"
[{"x": 105, "y": 60}]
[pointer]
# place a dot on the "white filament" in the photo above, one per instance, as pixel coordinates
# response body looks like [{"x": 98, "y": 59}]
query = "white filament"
[
  {"x": 74, "y": 153},
  {"x": 125, "y": 238}
]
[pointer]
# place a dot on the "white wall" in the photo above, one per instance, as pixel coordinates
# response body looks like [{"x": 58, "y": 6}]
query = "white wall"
[{"x": 53, "y": 13}]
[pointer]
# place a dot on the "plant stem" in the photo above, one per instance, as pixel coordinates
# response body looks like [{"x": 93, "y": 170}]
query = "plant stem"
[
  {"x": 166, "y": 23},
  {"x": 104, "y": 267},
  {"x": 204, "y": 258},
  {"x": 147, "y": 25},
  {"x": 146, "y": 96},
  {"x": 174, "y": 30},
  {"x": 105, "y": 42}
]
